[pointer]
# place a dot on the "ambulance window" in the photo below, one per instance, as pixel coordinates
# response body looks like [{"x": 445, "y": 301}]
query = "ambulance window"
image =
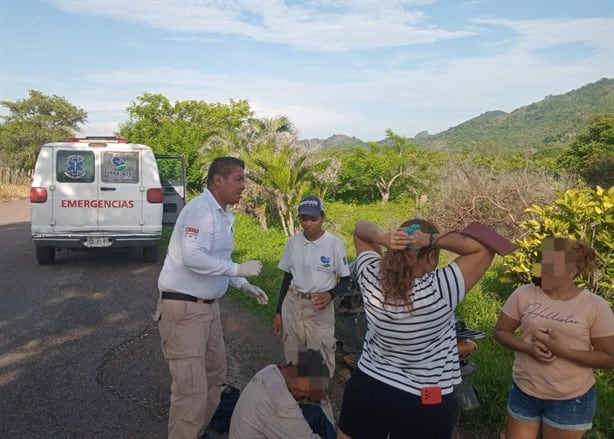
[
  {"x": 74, "y": 166},
  {"x": 120, "y": 167}
]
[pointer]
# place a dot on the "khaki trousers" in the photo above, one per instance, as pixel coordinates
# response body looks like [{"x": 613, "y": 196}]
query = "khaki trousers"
[
  {"x": 304, "y": 327},
  {"x": 193, "y": 344}
]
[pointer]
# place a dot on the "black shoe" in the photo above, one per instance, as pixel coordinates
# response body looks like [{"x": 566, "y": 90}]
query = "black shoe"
[{"x": 205, "y": 436}]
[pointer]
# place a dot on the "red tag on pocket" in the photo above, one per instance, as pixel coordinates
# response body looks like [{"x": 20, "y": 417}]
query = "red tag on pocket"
[{"x": 431, "y": 395}]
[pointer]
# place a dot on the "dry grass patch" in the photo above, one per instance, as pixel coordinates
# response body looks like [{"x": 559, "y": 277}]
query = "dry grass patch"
[{"x": 11, "y": 192}]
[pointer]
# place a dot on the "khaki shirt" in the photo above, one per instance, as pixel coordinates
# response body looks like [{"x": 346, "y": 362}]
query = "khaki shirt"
[{"x": 267, "y": 410}]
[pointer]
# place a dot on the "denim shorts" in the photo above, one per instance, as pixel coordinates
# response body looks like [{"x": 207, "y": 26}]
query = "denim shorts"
[{"x": 574, "y": 414}]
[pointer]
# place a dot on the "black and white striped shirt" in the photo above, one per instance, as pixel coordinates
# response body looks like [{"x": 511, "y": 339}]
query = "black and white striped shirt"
[{"x": 407, "y": 349}]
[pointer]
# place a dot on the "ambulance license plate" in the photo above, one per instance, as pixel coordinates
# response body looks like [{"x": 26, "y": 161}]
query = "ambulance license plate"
[{"x": 98, "y": 241}]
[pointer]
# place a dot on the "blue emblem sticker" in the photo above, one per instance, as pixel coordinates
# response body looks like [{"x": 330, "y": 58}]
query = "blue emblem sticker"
[
  {"x": 119, "y": 163},
  {"x": 325, "y": 260},
  {"x": 74, "y": 167}
]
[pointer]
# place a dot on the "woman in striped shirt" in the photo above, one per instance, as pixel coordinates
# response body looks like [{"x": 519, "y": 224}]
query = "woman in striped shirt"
[{"x": 409, "y": 363}]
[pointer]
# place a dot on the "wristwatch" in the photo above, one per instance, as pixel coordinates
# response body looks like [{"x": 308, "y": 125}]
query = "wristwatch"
[{"x": 432, "y": 240}]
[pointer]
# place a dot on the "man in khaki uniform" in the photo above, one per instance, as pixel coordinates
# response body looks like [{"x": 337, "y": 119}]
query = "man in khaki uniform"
[
  {"x": 268, "y": 407},
  {"x": 197, "y": 271}
]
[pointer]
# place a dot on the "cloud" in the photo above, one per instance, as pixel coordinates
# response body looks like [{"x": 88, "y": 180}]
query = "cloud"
[
  {"x": 315, "y": 26},
  {"x": 535, "y": 34},
  {"x": 406, "y": 90}
]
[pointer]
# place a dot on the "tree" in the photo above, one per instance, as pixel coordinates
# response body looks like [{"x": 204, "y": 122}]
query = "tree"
[
  {"x": 591, "y": 154},
  {"x": 279, "y": 172},
  {"x": 31, "y": 123},
  {"x": 395, "y": 164},
  {"x": 182, "y": 127}
]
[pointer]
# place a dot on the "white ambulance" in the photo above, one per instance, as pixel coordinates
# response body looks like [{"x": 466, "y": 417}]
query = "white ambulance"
[{"x": 96, "y": 192}]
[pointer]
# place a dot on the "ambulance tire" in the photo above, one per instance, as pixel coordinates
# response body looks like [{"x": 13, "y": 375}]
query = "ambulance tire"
[
  {"x": 151, "y": 253},
  {"x": 45, "y": 255}
]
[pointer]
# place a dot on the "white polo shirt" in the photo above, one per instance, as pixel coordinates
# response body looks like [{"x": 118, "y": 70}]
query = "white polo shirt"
[
  {"x": 198, "y": 259},
  {"x": 314, "y": 265}
]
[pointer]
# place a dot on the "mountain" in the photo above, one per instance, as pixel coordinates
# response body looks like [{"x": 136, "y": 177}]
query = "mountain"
[
  {"x": 334, "y": 141},
  {"x": 552, "y": 122}
]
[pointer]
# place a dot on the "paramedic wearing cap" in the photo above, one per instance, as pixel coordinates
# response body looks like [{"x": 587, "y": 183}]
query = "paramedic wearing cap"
[
  {"x": 278, "y": 400},
  {"x": 196, "y": 272},
  {"x": 312, "y": 260}
]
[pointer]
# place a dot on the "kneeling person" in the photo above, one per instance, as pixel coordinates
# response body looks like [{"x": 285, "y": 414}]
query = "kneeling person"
[{"x": 269, "y": 405}]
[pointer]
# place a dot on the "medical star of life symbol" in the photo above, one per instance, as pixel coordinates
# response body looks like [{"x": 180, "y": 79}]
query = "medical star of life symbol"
[{"x": 75, "y": 166}]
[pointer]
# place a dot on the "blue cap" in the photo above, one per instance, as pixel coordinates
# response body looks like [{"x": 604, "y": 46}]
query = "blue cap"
[{"x": 311, "y": 206}]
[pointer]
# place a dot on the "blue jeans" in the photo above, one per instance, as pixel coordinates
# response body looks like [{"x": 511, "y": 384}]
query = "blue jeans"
[
  {"x": 574, "y": 414},
  {"x": 318, "y": 421}
]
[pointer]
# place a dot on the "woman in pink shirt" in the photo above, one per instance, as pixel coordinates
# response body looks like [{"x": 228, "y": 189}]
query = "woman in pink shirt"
[{"x": 565, "y": 332}]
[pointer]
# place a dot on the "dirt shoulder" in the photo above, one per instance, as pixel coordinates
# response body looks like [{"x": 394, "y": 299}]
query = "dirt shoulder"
[{"x": 136, "y": 370}]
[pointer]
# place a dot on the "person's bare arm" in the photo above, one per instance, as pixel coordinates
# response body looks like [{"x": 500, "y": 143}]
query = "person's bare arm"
[
  {"x": 370, "y": 237},
  {"x": 474, "y": 257}
]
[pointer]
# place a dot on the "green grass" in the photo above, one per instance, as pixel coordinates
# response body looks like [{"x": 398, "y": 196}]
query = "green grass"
[{"x": 480, "y": 310}]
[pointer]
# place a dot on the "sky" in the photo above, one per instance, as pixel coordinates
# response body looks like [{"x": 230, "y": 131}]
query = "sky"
[{"x": 353, "y": 67}]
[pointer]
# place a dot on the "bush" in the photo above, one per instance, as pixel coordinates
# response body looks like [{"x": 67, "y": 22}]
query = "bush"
[
  {"x": 581, "y": 213},
  {"x": 497, "y": 197}
]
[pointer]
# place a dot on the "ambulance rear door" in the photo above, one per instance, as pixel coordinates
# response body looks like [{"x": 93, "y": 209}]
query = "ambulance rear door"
[
  {"x": 173, "y": 179},
  {"x": 74, "y": 188},
  {"x": 121, "y": 191}
]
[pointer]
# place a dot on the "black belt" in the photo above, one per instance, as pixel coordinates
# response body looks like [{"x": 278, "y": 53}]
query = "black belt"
[{"x": 167, "y": 295}]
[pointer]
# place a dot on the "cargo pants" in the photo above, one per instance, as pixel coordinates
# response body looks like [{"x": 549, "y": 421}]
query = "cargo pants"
[
  {"x": 192, "y": 342},
  {"x": 305, "y": 327}
]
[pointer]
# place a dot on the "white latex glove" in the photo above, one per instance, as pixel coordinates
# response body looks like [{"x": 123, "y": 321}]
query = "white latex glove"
[
  {"x": 256, "y": 292},
  {"x": 249, "y": 268}
]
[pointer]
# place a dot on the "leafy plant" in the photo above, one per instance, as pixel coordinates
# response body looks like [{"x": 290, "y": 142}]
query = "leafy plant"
[{"x": 580, "y": 213}]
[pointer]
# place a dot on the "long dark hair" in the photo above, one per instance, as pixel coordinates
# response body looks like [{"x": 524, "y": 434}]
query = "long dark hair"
[{"x": 397, "y": 266}]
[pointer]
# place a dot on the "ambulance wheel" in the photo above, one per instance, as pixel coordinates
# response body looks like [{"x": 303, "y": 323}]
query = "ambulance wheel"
[
  {"x": 151, "y": 253},
  {"x": 45, "y": 255}
]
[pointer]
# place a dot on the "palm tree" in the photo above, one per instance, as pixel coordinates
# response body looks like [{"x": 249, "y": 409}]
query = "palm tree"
[{"x": 279, "y": 172}]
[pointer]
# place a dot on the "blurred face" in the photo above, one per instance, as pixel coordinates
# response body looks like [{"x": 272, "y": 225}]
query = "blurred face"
[
  {"x": 555, "y": 272},
  {"x": 228, "y": 189},
  {"x": 311, "y": 389},
  {"x": 312, "y": 226},
  {"x": 299, "y": 388}
]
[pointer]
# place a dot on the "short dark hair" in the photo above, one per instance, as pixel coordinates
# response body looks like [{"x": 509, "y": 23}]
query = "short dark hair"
[
  {"x": 223, "y": 166},
  {"x": 311, "y": 364}
]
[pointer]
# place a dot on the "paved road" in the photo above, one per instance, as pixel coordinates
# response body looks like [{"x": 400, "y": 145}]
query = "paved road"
[{"x": 79, "y": 354}]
